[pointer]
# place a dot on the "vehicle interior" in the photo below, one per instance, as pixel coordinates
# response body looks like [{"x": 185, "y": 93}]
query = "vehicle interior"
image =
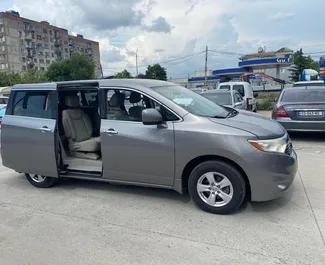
[{"x": 79, "y": 129}]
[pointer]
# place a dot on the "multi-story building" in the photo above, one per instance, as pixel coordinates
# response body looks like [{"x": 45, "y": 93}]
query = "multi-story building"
[
  {"x": 28, "y": 44},
  {"x": 91, "y": 48}
]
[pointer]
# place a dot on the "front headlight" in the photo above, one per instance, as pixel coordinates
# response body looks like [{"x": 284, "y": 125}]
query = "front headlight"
[{"x": 275, "y": 145}]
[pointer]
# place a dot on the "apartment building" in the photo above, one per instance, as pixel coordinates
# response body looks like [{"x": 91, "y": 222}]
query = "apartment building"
[{"x": 26, "y": 44}]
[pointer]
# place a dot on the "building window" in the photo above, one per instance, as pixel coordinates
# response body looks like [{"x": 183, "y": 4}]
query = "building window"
[
  {"x": 46, "y": 46},
  {"x": 66, "y": 50},
  {"x": 53, "y": 55},
  {"x": 21, "y": 42},
  {"x": 2, "y": 29},
  {"x": 45, "y": 31},
  {"x": 48, "y": 62},
  {"x": 4, "y": 66},
  {"x": 42, "y": 68},
  {"x": 3, "y": 48},
  {"x": 39, "y": 37},
  {"x": 47, "y": 54},
  {"x": 41, "y": 53},
  {"x": 52, "y": 47},
  {"x": 1, "y": 20},
  {"x": 50, "y": 32},
  {"x": 66, "y": 42},
  {"x": 51, "y": 40},
  {"x": 2, "y": 39},
  {"x": 24, "y": 59},
  {"x": 33, "y": 36},
  {"x": 20, "y": 25},
  {"x": 41, "y": 60},
  {"x": 35, "y": 60},
  {"x": 39, "y": 45},
  {"x": 20, "y": 34},
  {"x": 24, "y": 67}
]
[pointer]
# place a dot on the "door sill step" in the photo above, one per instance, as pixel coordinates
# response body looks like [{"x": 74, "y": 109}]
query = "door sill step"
[{"x": 81, "y": 174}]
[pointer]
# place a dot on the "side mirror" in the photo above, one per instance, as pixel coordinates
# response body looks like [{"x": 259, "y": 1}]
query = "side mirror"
[
  {"x": 255, "y": 95},
  {"x": 151, "y": 117}
]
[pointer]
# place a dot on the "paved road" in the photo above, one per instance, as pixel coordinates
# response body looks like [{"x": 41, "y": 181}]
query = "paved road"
[{"x": 79, "y": 222}]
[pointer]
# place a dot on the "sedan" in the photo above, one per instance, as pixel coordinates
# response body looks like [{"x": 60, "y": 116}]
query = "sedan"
[
  {"x": 301, "y": 109},
  {"x": 227, "y": 98}
]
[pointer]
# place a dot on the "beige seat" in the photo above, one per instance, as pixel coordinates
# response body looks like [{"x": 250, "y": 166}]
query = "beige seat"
[
  {"x": 114, "y": 110},
  {"x": 78, "y": 129}
]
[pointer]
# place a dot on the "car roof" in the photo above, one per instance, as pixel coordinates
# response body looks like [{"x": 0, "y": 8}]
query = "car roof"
[
  {"x": 309, "y": 88},
  {"x": 309, "y": 82},
  {"x": 219, "y": 91},
  {"x": 102, "y": 83}
]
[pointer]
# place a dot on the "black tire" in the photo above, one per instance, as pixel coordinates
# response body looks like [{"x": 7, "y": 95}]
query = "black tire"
[
  {"x": 237, "y": 188},
  {"x": 46, "y": 183}
]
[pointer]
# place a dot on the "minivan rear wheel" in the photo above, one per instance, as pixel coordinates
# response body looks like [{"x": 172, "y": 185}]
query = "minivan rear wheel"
[
  {"x": 217, "y": 187},
  {"x": 40, "y": 181}
]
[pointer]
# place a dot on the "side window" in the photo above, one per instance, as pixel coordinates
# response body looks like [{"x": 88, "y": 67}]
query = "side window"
[
  {"x": 32, "y": 104},
  {"x": 238, "y": 98},
  {"x": 3, "y": 101},
  {"x": 126, "y": 105},
  {"x": 225, "y": 87},
  {"x": 240, "y": 89}
]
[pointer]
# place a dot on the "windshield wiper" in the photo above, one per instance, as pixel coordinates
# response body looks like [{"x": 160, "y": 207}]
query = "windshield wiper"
[{"x": 232, "y": 113}]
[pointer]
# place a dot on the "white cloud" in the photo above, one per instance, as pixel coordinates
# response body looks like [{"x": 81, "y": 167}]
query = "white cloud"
[
  {"x": 282, "y": 16},
  {"x": 165, "y": 29}
]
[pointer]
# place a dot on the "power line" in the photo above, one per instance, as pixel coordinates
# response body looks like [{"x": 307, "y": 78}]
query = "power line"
[
  {"x": 161, "y": 62},
  {"x": 228, "y": 53}
]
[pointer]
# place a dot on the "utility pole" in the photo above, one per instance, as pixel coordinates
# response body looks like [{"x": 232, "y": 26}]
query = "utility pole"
[
  {"x": 136, "y": 64},
  {"x": 206, "y": 66}
]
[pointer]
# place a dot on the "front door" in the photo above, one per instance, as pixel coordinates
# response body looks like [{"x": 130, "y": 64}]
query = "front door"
[
  {"x": 132, "y": 151},
  {"x": 28, "y": 133}
]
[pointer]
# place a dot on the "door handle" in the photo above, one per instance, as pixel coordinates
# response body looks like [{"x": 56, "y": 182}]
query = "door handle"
[
  {"x": 110, "y": 131},
  {"x": 45, "y": 129}
]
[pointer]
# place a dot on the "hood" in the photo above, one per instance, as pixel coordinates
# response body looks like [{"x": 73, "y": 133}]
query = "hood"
[{"x": 261, "y": 126}]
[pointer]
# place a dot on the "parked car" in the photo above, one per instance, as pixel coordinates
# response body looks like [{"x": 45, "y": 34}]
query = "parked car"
[
  {"x": 245, "y": 90},
  {"x": 301, "y": 109},
  {"x": 198, "y": 90},
  {"x": 222, "y": 156},
  {"x": 2, "y": 113},
  {"x": 227, "y": 98},
  {"x": 3, "y": 101}
]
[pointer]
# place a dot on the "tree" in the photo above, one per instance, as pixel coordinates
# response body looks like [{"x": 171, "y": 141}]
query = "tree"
[
  {"x": 142, "y": 76},
  {"x": 156, "y": 71},
  {"x": 301, "y": 62},
  {"x": 31, "y": 76},
  {"x": 78, "y": 67},
  {"x": 27, "y": 77},
  {"x": 124, "y": 74}
]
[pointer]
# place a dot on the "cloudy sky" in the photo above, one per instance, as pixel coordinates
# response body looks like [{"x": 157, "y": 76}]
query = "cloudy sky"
[{"x": 175, "y": 32}]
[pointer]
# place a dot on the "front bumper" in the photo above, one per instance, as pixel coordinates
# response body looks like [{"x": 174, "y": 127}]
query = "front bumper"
[
  {"x": 302, "y": 126},
  {"x": 269, "y": 174}
]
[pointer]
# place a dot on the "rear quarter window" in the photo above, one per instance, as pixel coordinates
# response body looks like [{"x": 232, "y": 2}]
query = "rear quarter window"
[{"x": 32, "y": 104}]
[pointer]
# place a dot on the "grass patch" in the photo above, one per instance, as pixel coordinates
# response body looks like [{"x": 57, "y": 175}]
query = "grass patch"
[{"x": 265, "y": 100}]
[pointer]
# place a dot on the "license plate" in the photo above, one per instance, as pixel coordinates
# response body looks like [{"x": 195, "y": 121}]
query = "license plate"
[{"x": 310, "y": 113}]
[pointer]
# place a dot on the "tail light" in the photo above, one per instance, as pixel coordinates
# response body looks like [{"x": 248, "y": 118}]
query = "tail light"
[{"x": 281, "y": 113}]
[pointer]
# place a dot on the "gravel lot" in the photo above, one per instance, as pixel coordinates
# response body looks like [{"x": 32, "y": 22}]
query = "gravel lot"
[{"x": 80, "y": 222}]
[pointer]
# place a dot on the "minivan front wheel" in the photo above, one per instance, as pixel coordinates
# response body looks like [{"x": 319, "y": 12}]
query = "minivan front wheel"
[
  {"x": 217, "y": 187},
  {"x": 40, "y": 181}
]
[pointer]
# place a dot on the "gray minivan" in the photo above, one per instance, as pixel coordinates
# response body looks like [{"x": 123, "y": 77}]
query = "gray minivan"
[{"x": 146, "y": 132}]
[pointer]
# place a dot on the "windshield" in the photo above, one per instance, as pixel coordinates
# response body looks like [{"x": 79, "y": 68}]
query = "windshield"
[
  {"x": 219, "y": 98},
  {"x": 305, "y": 95},
  {"x": 191, "y": 101}
]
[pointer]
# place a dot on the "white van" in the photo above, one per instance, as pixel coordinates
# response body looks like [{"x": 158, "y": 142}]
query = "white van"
[{"x": 245, "y": 90}]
